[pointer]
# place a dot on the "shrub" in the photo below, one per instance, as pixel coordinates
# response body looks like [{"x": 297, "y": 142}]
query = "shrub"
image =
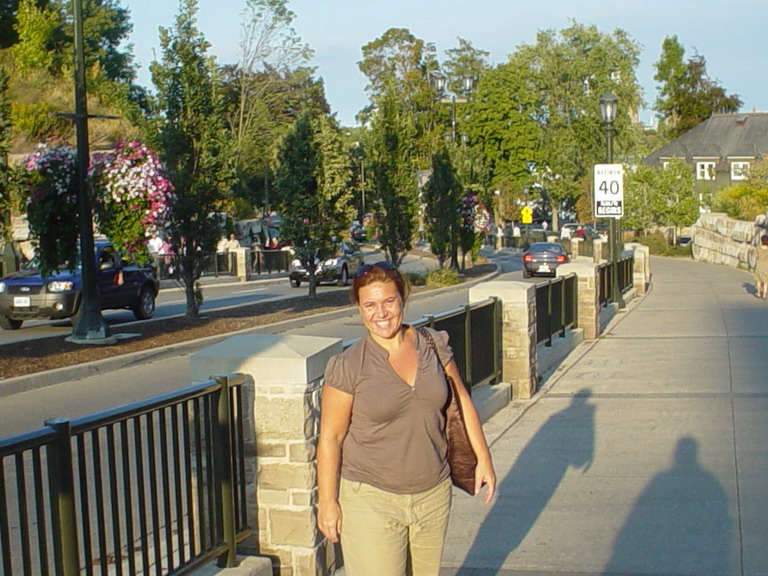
[
  {"x": 416, "y": 278},
  {"x": 659, "y": 245},
  {"x": 442, "y": 277}
]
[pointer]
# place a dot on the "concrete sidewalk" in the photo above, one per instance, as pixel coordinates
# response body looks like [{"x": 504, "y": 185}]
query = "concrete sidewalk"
[{"x": 645, "y": 453}]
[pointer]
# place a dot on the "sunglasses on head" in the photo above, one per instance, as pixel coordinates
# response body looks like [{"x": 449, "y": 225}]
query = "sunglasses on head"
[{"x": 366, "y": 268}]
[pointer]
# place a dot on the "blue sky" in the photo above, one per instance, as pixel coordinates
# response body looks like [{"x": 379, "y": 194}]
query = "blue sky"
[{"x": 730, "y": 35}]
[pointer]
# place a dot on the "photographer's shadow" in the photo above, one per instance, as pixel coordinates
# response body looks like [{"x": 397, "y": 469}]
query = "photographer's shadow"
[{"x": 680, "y": 522}]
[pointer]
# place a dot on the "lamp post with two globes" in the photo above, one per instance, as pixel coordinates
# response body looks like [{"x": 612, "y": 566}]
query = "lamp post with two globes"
[
  {"x": 440, "y": 83},
  {"x": 608, "y": 108}
]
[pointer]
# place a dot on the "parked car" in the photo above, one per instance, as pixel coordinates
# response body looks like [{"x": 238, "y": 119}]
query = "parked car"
[
  {"x": 338, "y": 267},
  {"x": 26, "y": 294},
  {"x": 570, "y": 230},
  {"x": 543, "y": 258},
  {"x": 358, "y": 233}
]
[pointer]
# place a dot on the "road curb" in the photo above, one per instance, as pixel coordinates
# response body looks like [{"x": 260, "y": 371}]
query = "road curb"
[{"x": 57, "y": 376}]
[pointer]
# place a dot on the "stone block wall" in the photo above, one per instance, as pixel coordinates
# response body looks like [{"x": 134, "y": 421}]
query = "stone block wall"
[
  {"x": 720, "y": 239},
  {"x": 519, "y": 359},
  {"x": 282, "y": 412}
]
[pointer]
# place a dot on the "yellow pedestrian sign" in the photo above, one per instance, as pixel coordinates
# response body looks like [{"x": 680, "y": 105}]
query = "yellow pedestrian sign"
[{"x": 526, "y": 215}]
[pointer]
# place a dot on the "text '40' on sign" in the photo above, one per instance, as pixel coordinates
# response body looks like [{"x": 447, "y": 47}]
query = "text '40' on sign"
[{"x": 609, "y": 190}]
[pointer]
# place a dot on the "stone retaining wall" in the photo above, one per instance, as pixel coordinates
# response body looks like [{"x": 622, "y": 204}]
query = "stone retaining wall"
[{"x": 720, "y": 239}]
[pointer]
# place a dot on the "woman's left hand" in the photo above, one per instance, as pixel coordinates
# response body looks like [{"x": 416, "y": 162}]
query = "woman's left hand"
[{"x": 485, "y": 474}]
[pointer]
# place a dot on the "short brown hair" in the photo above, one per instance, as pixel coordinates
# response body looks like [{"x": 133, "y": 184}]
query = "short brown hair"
[{"x": 379, "y": 272}]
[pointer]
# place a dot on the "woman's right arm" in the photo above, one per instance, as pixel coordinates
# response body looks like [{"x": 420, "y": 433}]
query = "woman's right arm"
[{"x": 335, "y": 415}]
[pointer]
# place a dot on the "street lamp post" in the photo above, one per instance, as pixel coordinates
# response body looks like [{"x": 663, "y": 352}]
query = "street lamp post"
[
  {"x": 90, "y": 327},
  {"x": 608, "y": 107},
  {"x": 361, "y": 153},
  {"x": 440, "y": 83}
]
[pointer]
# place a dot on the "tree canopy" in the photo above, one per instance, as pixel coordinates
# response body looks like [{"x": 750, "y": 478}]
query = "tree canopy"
[
  {"x": 687, "y": 95},
  {"x": 537, "y": 116},
  {"x": 193, "y": 144}
]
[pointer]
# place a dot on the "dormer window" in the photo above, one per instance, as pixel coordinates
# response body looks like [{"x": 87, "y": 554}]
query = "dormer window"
[{"x": 739, "y": 170}]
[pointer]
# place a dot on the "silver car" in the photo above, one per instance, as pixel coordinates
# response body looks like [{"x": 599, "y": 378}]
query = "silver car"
[{"x": 339, "y": 267}]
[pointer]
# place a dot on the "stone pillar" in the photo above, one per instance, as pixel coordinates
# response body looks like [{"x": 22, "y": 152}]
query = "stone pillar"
[
  {"x": 575, "y": 245},
  {"x": 243, "y": 263},
  {"x": 518, "y": 340},
  {"x": 283, "y": 413},
  {"x": 589, "y": 296},
  {"x": 597, "y": 254},
  {"x": 641, "y": 271}
]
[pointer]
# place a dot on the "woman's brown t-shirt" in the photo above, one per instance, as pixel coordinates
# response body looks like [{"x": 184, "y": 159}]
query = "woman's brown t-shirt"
[{"x": 396, "y": 440}]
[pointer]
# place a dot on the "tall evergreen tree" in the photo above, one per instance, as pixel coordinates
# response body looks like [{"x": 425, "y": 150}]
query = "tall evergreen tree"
[
  {"x": 393, "y": 175},
  {"x": 5, "y": 140},
  {"x": 311, "y": 180},
  {"x": 192, "y": 142},
  {"x": 442, "y": 199}
]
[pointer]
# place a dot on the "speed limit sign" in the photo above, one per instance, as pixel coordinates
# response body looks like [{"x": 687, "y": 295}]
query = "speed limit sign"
[{"x": 609, "y": 190}]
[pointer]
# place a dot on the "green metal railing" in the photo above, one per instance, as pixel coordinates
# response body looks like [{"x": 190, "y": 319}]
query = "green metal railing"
[{"x": 153, "y": 487}]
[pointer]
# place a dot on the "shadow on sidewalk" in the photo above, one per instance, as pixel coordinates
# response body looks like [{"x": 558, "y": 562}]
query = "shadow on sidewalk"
[
  {"x": 679, "y": 523},
  {"x": 565, "y": 440}
]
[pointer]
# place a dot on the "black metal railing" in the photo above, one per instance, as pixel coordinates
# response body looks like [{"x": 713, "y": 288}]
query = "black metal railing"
[
  {"x": 556, "y": 307},
  {"x": 474, "y": 331},
  {"x": 270, "y": 261},
  {"x": 153, "y": 487},
  {"x": 225, "y": 264},
  {"x": 624, "y": 275}
]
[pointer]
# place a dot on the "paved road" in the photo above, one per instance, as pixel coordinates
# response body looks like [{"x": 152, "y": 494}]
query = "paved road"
[{"x": 91, "y": 388}]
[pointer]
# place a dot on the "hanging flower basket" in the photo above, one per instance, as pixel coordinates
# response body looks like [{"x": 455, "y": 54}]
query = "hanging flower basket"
[
  {"x": 50, "y": 187},
  {"x": 132, "y": 197},
  {"x": 129, "y": 194}
]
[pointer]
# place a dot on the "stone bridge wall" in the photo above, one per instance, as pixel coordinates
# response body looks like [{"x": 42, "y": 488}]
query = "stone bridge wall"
[{"x": 720, "y": 239}]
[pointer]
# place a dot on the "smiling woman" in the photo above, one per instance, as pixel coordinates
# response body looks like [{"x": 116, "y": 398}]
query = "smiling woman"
[{"x": 383, "y": 409}]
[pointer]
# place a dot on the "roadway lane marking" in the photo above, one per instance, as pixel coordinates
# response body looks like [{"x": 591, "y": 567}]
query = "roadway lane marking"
[{"x": 249, "y": 291}]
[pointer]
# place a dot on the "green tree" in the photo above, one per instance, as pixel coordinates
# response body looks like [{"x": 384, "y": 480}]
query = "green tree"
[
  {"x": 464, "y": 60},
  {"x": 401, "y": 59},
  {"x": 542, "y": 109},
  {"x": 660, "y": 197},
  {"x": 442, "y": 199},
  {"x": 402, "y": 62},
  {"x": 5, "y": 141},
  {"x": 311, "y": 179},
  {"x": 393, "y": 171},
  {"x": 39, "y": 64},
  {"x": 687, "y": 95},
  {"x": 271, "y": 60},
  {"x": 192, "y": 141},
  {"x": 35, "y": 28},
  {"x": 507, "y": 136}
]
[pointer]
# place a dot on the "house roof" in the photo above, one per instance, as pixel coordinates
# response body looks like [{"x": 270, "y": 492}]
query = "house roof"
[{"x": 721, "y": 137}]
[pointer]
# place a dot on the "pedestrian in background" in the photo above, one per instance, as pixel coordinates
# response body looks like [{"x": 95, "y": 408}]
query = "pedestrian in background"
[
  {"x": 761, "y": 268},
  {"x": 382, "y": 430}
]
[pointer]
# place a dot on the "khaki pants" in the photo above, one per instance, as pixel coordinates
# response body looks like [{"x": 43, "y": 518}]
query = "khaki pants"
[{"x": 383, "y": 532}]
